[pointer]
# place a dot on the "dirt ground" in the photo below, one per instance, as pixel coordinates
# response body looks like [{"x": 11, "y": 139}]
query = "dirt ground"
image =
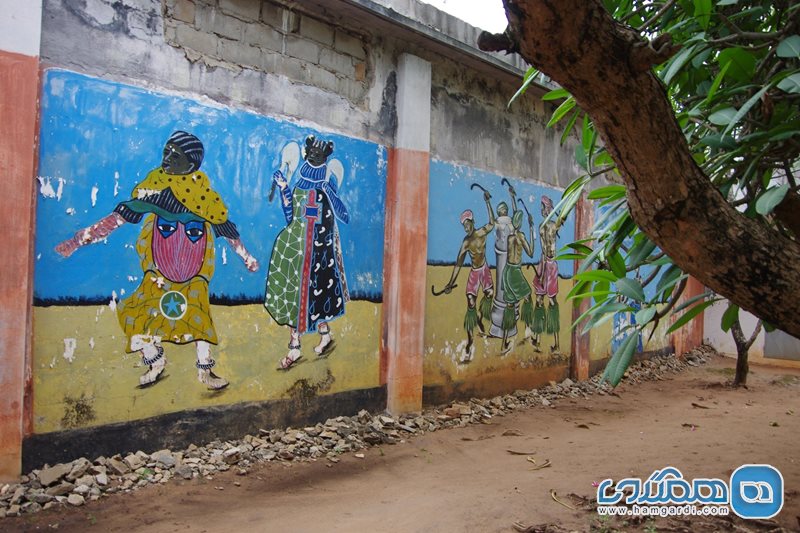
[{"x": 466, "y": 480}]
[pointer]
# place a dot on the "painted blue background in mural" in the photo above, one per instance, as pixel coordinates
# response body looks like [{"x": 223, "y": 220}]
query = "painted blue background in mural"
[
  {"x": 450, "y": 195},
  {"x": 99, "y": 139}
]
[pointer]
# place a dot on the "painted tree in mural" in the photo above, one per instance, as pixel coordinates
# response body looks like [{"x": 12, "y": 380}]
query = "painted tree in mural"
[
  {"x": 480, "y": 276},
  {"x": 705, "y": 144},
  {"x": 306, "y": 284},
  {"x": 179, "y": 208}
]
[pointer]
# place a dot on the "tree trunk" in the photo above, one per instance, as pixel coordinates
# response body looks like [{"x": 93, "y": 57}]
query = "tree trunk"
[
  {"x": 607, "y": 67},
  {"x": 742, "y": 349}
]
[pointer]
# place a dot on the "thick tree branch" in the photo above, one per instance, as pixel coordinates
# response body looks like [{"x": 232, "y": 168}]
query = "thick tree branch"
[{"x": 580, "y": 46}]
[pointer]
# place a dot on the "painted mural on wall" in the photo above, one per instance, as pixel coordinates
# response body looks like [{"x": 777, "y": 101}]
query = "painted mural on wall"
[
  {"x": 158, "y": 269},
  {"x": 512, "y": 314},
  {"x": 306, "y": 285},
  {"x": 176, "y": 249}
]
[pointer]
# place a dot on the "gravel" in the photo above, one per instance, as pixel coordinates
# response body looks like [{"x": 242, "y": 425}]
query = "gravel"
[{"x": 82, "y": 480}]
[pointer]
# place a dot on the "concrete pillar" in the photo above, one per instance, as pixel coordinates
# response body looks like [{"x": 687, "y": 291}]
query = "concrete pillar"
[
  {"x": 20, "y": 30},
  {"x": 579, "y": 360},
  {"x": 406, "y": 244},
  {"x": 690, "y": 336}
]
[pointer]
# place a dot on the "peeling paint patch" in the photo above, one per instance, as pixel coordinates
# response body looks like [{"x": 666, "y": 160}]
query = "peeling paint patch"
[
  {"x": 69, "y": 349},
  {"x": 46, "y": 188},
  {"x": 70, "y": 211},
  {"x": 95, "y": 190},
  {"x": 113, "y": 303}
]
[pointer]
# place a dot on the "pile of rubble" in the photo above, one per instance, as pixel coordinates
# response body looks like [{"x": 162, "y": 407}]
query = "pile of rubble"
[{"x": 82, "y": 480}]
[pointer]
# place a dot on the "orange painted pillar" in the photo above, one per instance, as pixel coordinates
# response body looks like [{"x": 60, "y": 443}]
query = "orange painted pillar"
[
  {"x": 579, "y": 360},
  {"x": 406, "y": 241},
  {"x": 20, "y": 30},
  {"x": 690, "y": 336}
]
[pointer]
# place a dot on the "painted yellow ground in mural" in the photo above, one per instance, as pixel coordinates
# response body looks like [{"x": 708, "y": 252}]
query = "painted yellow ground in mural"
[
  {"x": 446, "y": 339},
  {"x": 83, "y": 377}
]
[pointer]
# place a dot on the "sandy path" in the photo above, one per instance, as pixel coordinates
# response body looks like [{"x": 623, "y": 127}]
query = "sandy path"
[{"x": 465, "y": 480}]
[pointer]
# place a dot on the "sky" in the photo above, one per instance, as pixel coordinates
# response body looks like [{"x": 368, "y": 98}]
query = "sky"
[{"x": 485, "y": 14}]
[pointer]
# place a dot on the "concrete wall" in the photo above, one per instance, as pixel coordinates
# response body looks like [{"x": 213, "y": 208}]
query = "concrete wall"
[
  {"x": 774, "y": 348},
  {"x": 416, "y": 115}
]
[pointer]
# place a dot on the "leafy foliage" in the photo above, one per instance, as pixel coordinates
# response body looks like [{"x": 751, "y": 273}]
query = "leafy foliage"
[{"x": 735, "y": 89}]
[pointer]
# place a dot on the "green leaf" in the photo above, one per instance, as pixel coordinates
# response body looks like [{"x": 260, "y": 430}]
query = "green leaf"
[
  {"x": 596, "y": 275},
  {"x": 730, "y": 316},
  {"x": 565, "y": 107},
  {"x": 717, "y": 140},
  {"x": 678, "y": 62},
  {"x": 742, "y": 63},
  {"x": 790, "y": 84},
  {"x": 606, "y": 192},
  {"x": 621, "y": 359},
  {"x": 668, "y": 279},
  {"x": 556, "y": 94},
  {"x": 689, "y": 315},
  {"x": 746, "y": 108},
  {"x": 645, "y": 315},
  {"x": 727, "y": 2},
  {"x": 640, "y": 252},
  {"x": 702, "y": 12},
  {"x": 617, "y": 264},
  {"x": 569, "y": 126},
  {"x": 789, "y": 47},
  {"x": 530, "y": 76},
  {"x": 570, "y": 257},
  {"x": 716, "y": 83},
  {"x": 771, "y": 198},
  {"x": 630, "y": 288},
  {"x": 722, "y": 117}
]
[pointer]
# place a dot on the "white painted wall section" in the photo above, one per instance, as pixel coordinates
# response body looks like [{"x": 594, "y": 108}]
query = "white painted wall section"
[
  {"x": 413, "y": 103},
  {"x": 722, "y": 341},
  {"x": 21, "y": 26}
]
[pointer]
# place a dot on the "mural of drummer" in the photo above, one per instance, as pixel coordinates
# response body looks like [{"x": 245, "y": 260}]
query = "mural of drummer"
[
  {"x": 480, "y": 276},
  {"x": 545, "y": 282},
  {"x": 180, "y": 213}
]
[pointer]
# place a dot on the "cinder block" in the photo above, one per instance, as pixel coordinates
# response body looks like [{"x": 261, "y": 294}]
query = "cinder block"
[
  {"x": 205, "y": 43},
  {"x": 292, "y": 68},
  {"x": 241, "y": 54},
  {"x": 319, "y": 77},
  {"x": 272, "y": 14},
  {"x": 316, "y": 30},
  {"x": 229, "y": 27},
  {"x": 339, "y": 63},
  {"x": 302, "y": 49},
  {"x": 348, "y": 44},
  {"x": 264, "y": 36},
  {"x": 244, "y": 9},
  {"x": 183, "y": 10}
]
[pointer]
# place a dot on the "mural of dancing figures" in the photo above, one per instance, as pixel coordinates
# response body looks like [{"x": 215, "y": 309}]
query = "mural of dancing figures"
[
  {"x": 545, "y": 282},
  {"x": 179, "y": 209},
  {"x": 480, "y": 276},
  {"x": 306, "y": 285}
]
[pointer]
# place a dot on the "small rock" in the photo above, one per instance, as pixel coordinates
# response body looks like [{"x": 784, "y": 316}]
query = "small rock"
[
  {"x": 133, "y": 461},
  {"x": 40, "y": 497},
  {"x": 185, "y": 471},
  {"x": 545, "y": 402},
  {"x": 88, "y": 479},
  {"x": 117, "y": 467},
  {"x": 101, "y": 479},
  {"x": 13, "y": 510},
  {"x": 76, "y": 500},
  {"x": 61, "y": 489},
  {"x": 231, "y": 455},
  {"x": 82, "y": 489},
  {"x": 79, "y": 468},
  {"x": 52, "y": 475},
  {"x": 164, "y": 458},
  {"x": 359, "y": 455},
  {"x": 567, "y": 383}
]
